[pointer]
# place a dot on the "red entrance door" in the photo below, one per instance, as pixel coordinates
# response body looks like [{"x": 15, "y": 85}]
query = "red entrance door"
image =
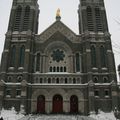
[
  {"x": 74, "y": 104},
  {"x": 57, "y": 104},
  {"x": 41, "y": 104}
]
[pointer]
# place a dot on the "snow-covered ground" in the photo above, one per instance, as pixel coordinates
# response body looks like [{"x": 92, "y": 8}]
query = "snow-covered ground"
[
  {"x": 10, "y": 114},
  {"x": 13, "y": 115},
  {"x": 103, "y": 116}
]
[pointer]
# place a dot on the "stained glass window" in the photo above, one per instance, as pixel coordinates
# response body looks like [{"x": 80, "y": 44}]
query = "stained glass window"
[
  {"x": 93, "y": 56},
  {"x": 58, "y": 55},
  {"x": 103, "y": 56},
  {"x": 22, "y": 56},
  {"x": 13, "y": 53}
]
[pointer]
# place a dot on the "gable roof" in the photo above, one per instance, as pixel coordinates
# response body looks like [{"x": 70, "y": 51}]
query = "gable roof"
[{"x": 57, "y": 26}]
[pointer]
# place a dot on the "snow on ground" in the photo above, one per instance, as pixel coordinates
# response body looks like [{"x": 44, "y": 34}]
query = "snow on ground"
[
  {"x": 103, "y": 116},
  {"x": 10, "y": 114},
  {"x": 13, "y": 115}
]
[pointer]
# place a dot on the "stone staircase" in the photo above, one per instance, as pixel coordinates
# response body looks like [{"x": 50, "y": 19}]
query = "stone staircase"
[{"x": 56, "y": 117}]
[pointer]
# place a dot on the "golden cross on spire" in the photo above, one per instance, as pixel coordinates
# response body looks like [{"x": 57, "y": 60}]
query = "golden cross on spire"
[{"x": 58, "y": 13}]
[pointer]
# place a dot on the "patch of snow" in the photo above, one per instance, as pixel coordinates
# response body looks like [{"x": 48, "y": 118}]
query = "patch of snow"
[
  {"x": 10, "y": 114},
  {"x": 103, "y": 116},
  {"x": 56, "y": 117},
  {"x": 13, "y": 115}
]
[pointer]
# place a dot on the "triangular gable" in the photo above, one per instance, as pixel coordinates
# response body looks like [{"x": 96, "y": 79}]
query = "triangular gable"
[{"x": 58, "y": 26}]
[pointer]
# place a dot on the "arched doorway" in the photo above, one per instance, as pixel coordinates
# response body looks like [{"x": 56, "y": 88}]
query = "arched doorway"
[
  {"x": 74, "y": 104},
  {"x": 57, "y": 104},
  {"x": 41, "y": 104}
]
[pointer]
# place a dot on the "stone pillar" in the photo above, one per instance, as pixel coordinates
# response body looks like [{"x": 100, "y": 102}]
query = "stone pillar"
[
  {"x": 114, "y": 95},
  {"x": 91, "y": 96},
  {"x": 119, "y": 72},
  {"x": 81, "y": 106},
  {"x": 71, "y": 66},
  {"x": 24, "y": 94},
  {"x": 65, "y": 106},
  {"x": 48, "y": 106},
  {"x": 1, "y": 93}
]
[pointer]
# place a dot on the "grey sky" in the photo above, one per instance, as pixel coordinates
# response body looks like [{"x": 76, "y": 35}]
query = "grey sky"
[{"x": 69, "y": 17}]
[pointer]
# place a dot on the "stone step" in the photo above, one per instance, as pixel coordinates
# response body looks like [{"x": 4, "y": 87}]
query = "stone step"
[{"x": 56, "y": 117}]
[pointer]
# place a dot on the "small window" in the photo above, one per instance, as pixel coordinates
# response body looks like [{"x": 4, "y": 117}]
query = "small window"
[
  {"x": 95, "y": 79},
  {"x": 54, "y": 69},
  {"x": 50, "y": 69},
  {"x": 66, "y": 80},
  {"x": 9, "y": 78},
  {"x": 61, "y": 69},
  {"x": 49, "y": 80},
  {"x": 18, "y": 92},
  {"x": 57, "y": 69},
  {"x": 96, "y": 93},
  {"x": 40, "y": 80},
  {"x": 8, "y": 92},
  {"x": 19, "y": 78},
  {"x": 105, "y": 79},
  {"x": 57, "y": 80},
  {"x": 74, "y": 80},
  {"x": 106, "y": 93},
  {"x": 64, "y": 69}
]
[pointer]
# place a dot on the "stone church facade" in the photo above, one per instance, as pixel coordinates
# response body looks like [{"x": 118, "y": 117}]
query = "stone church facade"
[{"x": 58, "y": 71}]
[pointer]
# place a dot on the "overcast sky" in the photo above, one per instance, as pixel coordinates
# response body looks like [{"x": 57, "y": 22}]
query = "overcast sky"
[{"x": 69, "y": 17}]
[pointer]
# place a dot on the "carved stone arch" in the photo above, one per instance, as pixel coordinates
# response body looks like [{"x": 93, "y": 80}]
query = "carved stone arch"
[
  {"x": 35, "y": 95},
  {"x": 78, "y": 93},
  {"x": 80, "y": 97},
  {"x": 58, "y": 91},
  {"x": 58, "y": 44},
  {"x": 64, "y": 59},
  {"x": 40, "y": 92},
  {"x": 37, "y": 52}
]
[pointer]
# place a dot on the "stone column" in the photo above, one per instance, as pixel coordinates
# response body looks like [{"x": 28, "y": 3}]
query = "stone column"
[
  {"x": 1, "y": 93},
  {"x": 91, "y": 96},
  {"x": 24, "y": 95},
  {"x": 114, "y": 95},
  {"x": 66, "y": 106}
]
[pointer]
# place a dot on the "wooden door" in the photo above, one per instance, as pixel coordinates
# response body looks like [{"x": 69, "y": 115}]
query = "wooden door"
[
  {"x": 74, "y": 104},
  {"x": 57, "y": 104},
  {"x": 41, "y": 104}
]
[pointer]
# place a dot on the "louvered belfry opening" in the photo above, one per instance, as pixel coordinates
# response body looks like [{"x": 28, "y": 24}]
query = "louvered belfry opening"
[
  {"x": 90, "y": 19},
  {"x": 26, "y": 18},
  {"x": 98, "y": 20},
  {"x": 18, "y": 14}
]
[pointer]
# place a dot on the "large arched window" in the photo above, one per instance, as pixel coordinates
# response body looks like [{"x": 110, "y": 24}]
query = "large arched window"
[
  {"x": 93, "y": 56},
  {"x": 13, "y": 54},
  {"x": 98, "y": 19},
  {"x": 26, "y": 18},
  {"x": 77, "y": 62},
  {"x": 90, "y": 19},
  {"x": 22, "y": 56},
  {"x": 17, "y": 18},
  {"x": 103, "y": 56},
  {"x": 38, "y": 62}
]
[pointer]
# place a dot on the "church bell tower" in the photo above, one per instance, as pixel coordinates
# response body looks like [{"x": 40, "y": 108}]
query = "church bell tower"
[
  {"x": 17, "y": 55},
  {"x": 97, "y": 50},
  {"x": 92, "y": 16},
  {"x": 24, "y": 16}
]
